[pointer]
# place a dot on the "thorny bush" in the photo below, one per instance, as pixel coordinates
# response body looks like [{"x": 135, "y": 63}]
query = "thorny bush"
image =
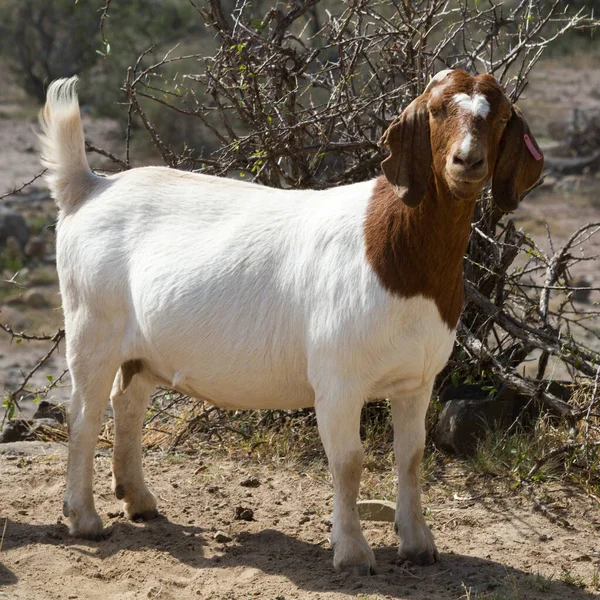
[{"x": 298, "y": 95}]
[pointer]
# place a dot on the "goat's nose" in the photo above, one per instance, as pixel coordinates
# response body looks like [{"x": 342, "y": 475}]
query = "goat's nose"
[{"x": 471, "y": 160}]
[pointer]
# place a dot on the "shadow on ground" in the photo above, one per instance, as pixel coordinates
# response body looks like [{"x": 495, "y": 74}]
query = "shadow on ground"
[{"x": 307, "y": 566}]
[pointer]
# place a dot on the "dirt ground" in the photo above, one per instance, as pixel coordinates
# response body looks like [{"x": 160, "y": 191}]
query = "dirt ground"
[{"x": 492, "y": 543}]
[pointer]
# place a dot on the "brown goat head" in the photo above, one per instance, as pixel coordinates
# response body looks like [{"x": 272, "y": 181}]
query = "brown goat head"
[{"x": 464, "y": 131}]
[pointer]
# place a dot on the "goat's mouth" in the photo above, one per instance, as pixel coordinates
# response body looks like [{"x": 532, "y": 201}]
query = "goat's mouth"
[
  {"x": 468, "y": 178},
  {"x": 465, "y": 186}
]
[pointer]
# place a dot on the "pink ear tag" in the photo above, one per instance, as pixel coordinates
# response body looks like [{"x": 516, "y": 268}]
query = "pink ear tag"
[{"x": 532, "y": 148}]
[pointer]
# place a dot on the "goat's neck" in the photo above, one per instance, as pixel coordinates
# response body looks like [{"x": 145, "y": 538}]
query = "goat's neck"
[{"x": 419, "y": 251}]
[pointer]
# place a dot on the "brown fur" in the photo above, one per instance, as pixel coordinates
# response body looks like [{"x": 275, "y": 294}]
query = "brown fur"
[
  {"x": 128, "y": 370},
  {"x": 419, "y": 251},
  {"x": 419, "y": 217}
]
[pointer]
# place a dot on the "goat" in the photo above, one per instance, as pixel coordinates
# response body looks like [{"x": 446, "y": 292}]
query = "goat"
[{"x": 252, "y": 297}]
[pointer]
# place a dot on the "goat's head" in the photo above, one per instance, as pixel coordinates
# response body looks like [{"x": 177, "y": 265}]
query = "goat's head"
[{"x": 465, "y": 130}]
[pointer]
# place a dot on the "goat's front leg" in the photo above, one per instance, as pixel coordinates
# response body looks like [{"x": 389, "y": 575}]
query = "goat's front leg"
[
  {"x": 408, "y": 414},
  {"x": 338, "y": 418}
]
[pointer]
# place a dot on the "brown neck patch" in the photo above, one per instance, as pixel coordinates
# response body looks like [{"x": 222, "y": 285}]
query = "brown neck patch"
[{"x": 419, "y": 251}]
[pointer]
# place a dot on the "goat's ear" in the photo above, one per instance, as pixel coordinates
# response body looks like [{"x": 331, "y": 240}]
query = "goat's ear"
[
  {"x": 408, "y": 166},
  {"x": 519, "y": 163}
]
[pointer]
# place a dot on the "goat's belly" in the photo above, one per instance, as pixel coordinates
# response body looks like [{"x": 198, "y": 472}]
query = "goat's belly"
[
  {"x": 238, "y": 371},
  {"x": 237, "y": 389}
]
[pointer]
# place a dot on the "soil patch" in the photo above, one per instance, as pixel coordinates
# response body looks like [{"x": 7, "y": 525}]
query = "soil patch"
[{"x": 492, "y": 544}]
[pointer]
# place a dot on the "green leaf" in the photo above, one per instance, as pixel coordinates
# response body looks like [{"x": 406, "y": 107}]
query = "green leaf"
[
  {"x": 19, "y": 340},
  {"x": 49, "y": 377},
  {"x": 455, "y": 379}
]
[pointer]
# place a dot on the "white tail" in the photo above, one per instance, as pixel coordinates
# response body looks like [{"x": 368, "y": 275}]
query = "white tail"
[{"x": 69, "y": 176}]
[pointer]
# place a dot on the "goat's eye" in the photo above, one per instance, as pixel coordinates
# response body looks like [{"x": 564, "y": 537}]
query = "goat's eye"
[
  {"x": 503, "y": 121},
  {"x": 436, "y": 112}
]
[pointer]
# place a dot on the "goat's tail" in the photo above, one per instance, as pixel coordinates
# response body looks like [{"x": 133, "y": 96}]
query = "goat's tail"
[{"x": 69, "y": 176}]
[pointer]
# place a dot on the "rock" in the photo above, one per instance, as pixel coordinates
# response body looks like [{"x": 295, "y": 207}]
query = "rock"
[
  {"x": 251, "y": 482},
  {"x": 581, "y": 295},
  {"x": 243, "y": 513},
  {"x": 115, "y": 515},
  {"x": 35, "y": 299},
  {"x": 468, "y": 412},
  {"x": 14, "y": 300},
  {"x": 16, "y": 319},
  {"x": 376, "y": 510},
  {"x": 16, "y": 430},
  {"x": 36, "y": 247},
  {"x": 50, "y": 409},
  {"x": 20, "y": 430},
  {"x": 222, "y": 537},
  {"x": 33, "y": 448},
  {"x": 12, "y": 224},
  {"x": 13, "y": 249}
]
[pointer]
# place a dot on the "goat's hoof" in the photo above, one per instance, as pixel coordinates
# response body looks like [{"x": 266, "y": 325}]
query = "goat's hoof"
[
  {"x": 141, "y": 506},
  {"x": 417, "y": 545},
  {"x": 423, "y": 558},
  {"x": 146, "y": 515},
  {"x": 363, "y": 570},
  {"x": 90, "y": 528},
  {"x": 353, "y": 555}
]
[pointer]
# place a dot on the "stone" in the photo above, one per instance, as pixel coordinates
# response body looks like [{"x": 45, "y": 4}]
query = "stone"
[
  {"x": 50, "y": 409},
  {"x": 222, "y": 537},
  {"x": 35, "y": 299},
  {"x": 15, "y": 430},
  {"x": 13, "y": 249},
  {"x": 251, "y": 482},
  {"x": 33, "y": 448},
  {"x": 20, "y": 430},
  {"x": 16, "y": 319},
  {"x": 14, "y": 300},
  {"x": 36, "y": 247},
  {"x": 12, "y": 224},
  {"x": 468, "y": 412},
  {"x": 376, "y": 510},
  {"x": 581, "y": 295},
  {"x": 243, "y": 513}
]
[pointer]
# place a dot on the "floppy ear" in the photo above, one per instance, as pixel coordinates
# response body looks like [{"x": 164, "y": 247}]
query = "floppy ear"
[
  {"x": 408, "y": 166},
  {"x": 519, "y": 163}
]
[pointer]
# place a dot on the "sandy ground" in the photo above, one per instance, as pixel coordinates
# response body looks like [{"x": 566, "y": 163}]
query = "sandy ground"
[{"x": 493, "y": 545}]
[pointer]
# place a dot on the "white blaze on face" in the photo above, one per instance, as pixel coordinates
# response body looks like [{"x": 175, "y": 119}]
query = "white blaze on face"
[
  {"x": 478, "y": 106},
  {"x": 465, "y": 146}
]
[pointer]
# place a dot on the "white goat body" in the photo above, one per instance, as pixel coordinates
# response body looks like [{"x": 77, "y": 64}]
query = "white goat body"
[{"x": 241, "y": 294}]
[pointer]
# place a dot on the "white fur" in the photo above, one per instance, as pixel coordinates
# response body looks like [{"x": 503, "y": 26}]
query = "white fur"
[
  {"x": 246, "y": 296},
  {"x": 465, "y": 146},
  {"x": 478, "y": 105},
  {"x": 238, "y": 293},
  {"x": 436, "y": 79}
]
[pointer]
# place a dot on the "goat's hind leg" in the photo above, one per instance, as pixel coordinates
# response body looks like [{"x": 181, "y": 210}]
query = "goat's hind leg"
[
  {"x": 131, "y": 391},
  {"x": 92, "y": 365}
]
